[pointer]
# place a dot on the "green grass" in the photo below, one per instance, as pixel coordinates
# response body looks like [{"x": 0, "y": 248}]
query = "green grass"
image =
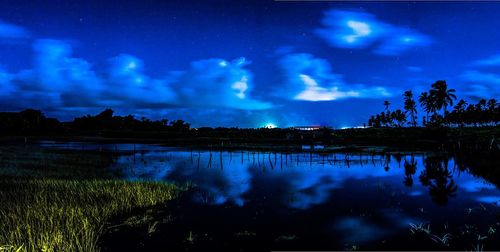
[
  {"x": 69, "y": 215},
  {"x": 56, "y": 201}
]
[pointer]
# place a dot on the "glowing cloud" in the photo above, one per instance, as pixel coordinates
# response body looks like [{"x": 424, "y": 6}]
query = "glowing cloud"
[
  {"x": 311, "y": 79},
  {"x": 360, "y": 30},
  {"x": 353, "y": 29},
  {"x": 217, "y": 83},
  {"x": 62, "y": 82},
  {"x": 347, "y": 29},
  {"x": 314, "y": 92}
]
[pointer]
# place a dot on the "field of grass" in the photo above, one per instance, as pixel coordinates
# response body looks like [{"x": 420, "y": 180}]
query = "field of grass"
[
  {"x": 56, "y": 201},
  {"x": 19, "y": 161}
]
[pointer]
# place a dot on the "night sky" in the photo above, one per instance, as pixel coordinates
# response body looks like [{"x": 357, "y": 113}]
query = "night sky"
[{"x": 242, "y": 63}]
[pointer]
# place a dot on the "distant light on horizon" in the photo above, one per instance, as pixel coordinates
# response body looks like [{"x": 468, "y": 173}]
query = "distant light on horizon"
[
  {"x": 270, "y": 126},
  {"x": 352, "y": 127}
]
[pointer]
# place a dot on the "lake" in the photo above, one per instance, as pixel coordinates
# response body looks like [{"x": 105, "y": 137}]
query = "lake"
[{"x": 312, "y": 201}]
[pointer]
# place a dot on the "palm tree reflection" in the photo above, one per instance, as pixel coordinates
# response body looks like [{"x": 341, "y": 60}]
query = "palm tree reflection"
[
  {"x": 439, "y": 179},
  {"x": 410, "y": 169}
]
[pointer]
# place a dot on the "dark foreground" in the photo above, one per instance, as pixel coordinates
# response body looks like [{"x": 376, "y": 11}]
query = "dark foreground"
[
  {"x": 251, "y": 201},
  {"x": 266, "y": 200}
]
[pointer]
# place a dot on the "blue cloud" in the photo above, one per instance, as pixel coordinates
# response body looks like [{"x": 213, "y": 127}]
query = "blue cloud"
[
  {"x": 56, "y": 80},
  {"x": 354, "y": 30},
  {"x": 217, "y": 83},
  {"x": 59, "y": 80},
  {"x": 6, "y": 89},
  {"x": 57, "y": 70},
  {"x": 491, "y": 61},
  {"x": 311, "y": 79},
  {"x": 348, "y": 29},
  {"x": 480, "y": 84},
  {"x": 129, "y": 86},
  {"x": 11, "y": 31},
  {"x": 414, "y": 69},
  {"x": 399, "y": 40}
]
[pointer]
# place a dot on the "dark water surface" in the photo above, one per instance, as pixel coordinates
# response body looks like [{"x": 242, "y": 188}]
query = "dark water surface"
[{"x": 305, "y": 201}]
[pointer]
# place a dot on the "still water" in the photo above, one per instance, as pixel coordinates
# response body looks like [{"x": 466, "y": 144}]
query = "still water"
[{"x": 318, "y": 201}]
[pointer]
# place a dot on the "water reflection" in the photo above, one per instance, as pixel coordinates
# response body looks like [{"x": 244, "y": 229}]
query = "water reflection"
[
  {"x": 410, "y": 170},
  {"x": 439, "y": 179},
  {"x": 305, "y": 179},
  {"x": 321, "y": 195}
]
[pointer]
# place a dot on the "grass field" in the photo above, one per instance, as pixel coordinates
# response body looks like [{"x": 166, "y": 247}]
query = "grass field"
[{"x": 62, "y": 200}]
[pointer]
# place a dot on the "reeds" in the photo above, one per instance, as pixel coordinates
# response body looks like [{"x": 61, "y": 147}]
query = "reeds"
[{"x": 69, "y": 215}]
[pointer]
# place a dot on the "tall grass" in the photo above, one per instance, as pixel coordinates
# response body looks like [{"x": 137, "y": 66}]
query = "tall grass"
[
  {"x": 61, "y": 200},
  {"x": 69, "y": 215}
]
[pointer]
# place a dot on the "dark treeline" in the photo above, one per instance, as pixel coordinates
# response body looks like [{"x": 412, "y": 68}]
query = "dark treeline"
[
  {"x": 436, "y": 103},
  {"x": 29, "y": 121},
  {"x": 32, "y": 122},
  {"x": 107, "y": 121}
]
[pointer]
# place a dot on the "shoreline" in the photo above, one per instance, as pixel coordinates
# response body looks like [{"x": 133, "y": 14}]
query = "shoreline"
[{"x": 477, "y": 139}]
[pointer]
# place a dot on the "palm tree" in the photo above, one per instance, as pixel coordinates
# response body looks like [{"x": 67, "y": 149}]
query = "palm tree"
[
  {"x": 385, "y": 119},
  {"x": 481, "y": 104},
  {"x": 426, "y": 104},
  {"x": 471, "y": 115},
  {"x": 442, "y": 96},
  {"x": 387, "y": 104},
  {"x": 378, "y": 121},
  {"x": 492, "y": 103},
  {"x": 457, "y": 115},
  {"x": 399, "y": 117},
  {"x": 461, "y": 105},
  {"x": 481, "y": 109},
  {"x": 410, "y": 106},
  {"x": 371, "y": 121}
]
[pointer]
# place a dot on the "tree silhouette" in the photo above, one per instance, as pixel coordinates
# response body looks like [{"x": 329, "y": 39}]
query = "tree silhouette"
[
  {"x": 107, "y": 121},
  {"x": 28, "y": 122},
  {"x": 180, "y": 125},
  {"x": 493, "y": 111},
  {"x": 457, "y": 115},
  {"x": 482, "y": 113},
  {"x": 427, "y": 105},
  {"x": 492, "y": 104},
  {"x": 410, "y": 107},
  {"x": 398, "y": 117},
  {"x": 441, "y": 96},
  {"x": 386, "y": 105},
  {"x": 107, "y": 114}
]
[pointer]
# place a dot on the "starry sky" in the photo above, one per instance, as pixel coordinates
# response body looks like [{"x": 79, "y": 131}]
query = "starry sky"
[{"x": 242, "y": 63}]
